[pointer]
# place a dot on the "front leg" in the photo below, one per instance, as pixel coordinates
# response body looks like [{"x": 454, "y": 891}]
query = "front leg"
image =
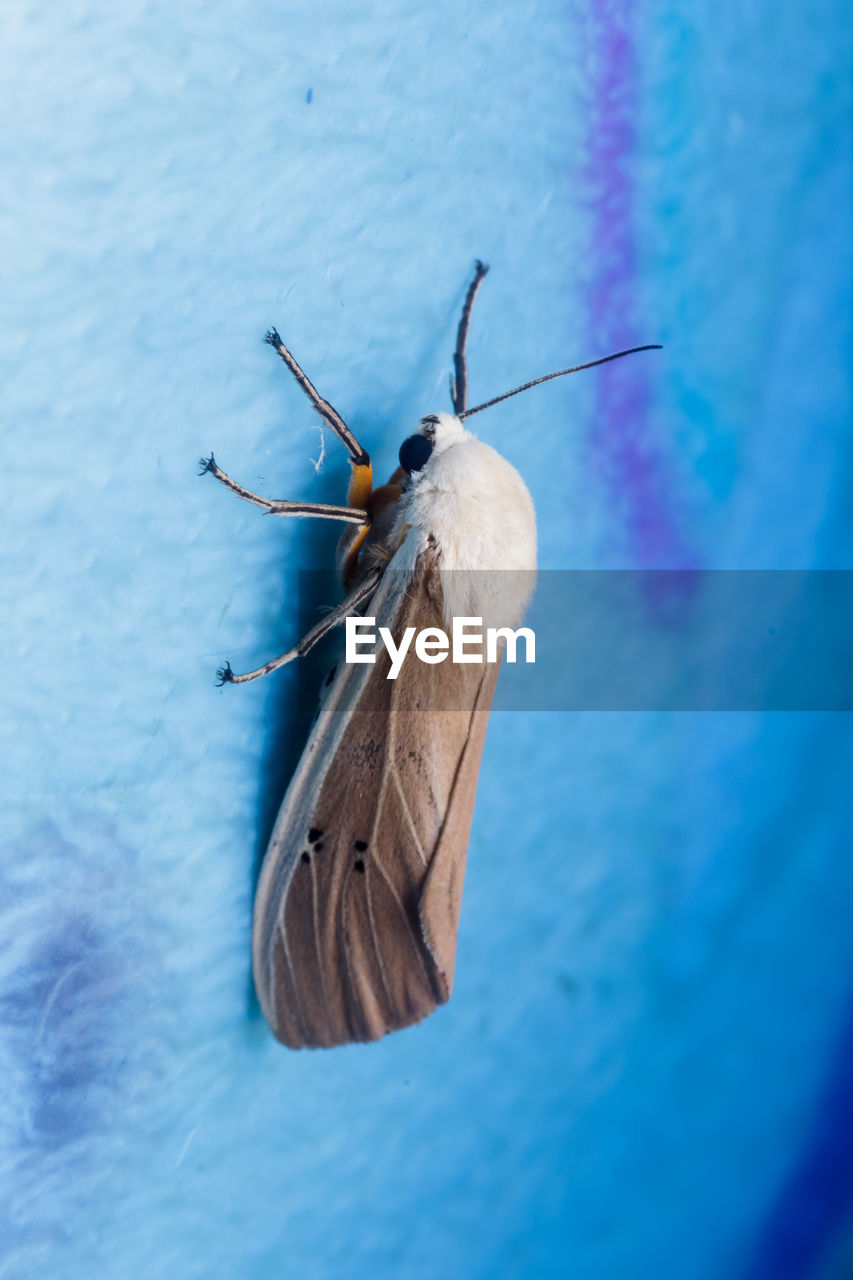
[
  {"x": 333, "y": 619},
  {"x": 281, "y": 506}
]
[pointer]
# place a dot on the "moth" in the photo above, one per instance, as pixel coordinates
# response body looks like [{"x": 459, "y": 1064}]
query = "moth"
[{"x": 357, "y": 906}]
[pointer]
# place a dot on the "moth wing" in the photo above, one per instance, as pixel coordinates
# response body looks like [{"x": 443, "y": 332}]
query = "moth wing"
[{"x": 358, "y": 901}]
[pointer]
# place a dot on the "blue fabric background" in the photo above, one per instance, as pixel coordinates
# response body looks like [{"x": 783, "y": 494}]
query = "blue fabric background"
[{"x": 647, "y": 1065}]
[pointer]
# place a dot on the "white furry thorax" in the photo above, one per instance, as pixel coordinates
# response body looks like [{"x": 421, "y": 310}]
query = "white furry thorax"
[{"x": 473, "y": 507}]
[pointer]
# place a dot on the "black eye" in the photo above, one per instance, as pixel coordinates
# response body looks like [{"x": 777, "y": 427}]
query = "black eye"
[{"x": 414, "y": 453}]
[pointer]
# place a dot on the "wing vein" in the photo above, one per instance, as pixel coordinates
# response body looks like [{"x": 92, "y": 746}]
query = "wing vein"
[
  {"x": 404, "y": 913},
  {"x": 374, "y": 939},
  {"x": 317, "y": 944},
  {"x": 298, "y": 1011},
  {"x": 390, "y": 767},
  {"x": 409, "y": 819}
]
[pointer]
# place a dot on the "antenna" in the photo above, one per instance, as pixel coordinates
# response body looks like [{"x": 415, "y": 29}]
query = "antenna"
[{"x": 561, "y": 373}]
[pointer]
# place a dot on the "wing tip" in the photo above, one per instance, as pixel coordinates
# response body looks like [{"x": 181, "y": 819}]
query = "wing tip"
[{"x": 286, "y": 1032}]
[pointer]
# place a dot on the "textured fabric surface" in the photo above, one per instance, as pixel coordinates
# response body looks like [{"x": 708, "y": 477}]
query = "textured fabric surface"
[{"x": 646, "y": 1066}]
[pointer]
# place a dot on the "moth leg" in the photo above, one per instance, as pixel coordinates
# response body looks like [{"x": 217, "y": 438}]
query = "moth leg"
[
  {"x": 362, "y": 476},
  {"x": 281, "y": 506},
  {"x": 459, "y": 382},
  {"x": 333, "y": 619}
]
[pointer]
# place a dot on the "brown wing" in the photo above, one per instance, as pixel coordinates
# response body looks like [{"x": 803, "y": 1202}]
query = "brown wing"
[{"x": 358, "y": 902}]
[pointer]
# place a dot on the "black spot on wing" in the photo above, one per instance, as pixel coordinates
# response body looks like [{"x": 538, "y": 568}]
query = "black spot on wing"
[
  {"x": 306, "y": 857},
  {"x": 361, "y": 846},
  {"x": 314, "y": 834},
  {"x": 359, "y": 865}
]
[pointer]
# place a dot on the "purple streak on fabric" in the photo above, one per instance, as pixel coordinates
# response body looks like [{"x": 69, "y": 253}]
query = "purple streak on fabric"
[{"x": 627, "y": 458}]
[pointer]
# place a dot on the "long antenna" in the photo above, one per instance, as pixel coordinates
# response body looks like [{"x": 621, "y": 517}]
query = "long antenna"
[{"x": 561, "y": 373}]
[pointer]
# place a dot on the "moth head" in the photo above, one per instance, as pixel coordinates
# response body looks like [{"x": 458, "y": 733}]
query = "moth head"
[{"x": 435, "y": 433}]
